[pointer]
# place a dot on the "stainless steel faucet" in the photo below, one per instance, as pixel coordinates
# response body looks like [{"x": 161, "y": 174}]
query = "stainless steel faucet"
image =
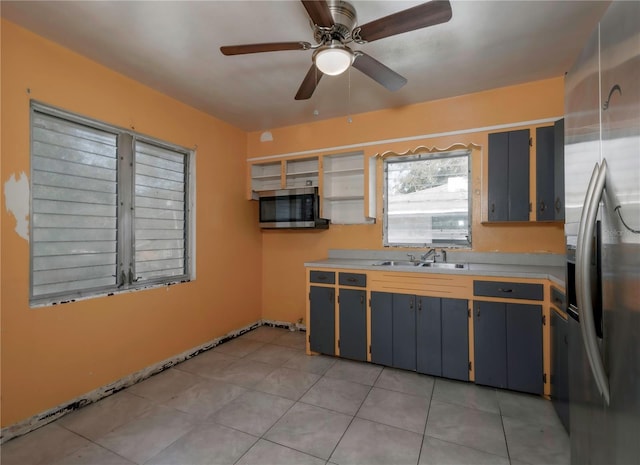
[{"x": 430, "y": 253}]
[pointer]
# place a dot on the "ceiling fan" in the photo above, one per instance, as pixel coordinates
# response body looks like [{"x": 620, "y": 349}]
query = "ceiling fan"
[{"x": 335, "y": 26}]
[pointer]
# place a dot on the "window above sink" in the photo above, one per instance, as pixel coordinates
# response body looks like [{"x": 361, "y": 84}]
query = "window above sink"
[{"x": 426, "y": 199}]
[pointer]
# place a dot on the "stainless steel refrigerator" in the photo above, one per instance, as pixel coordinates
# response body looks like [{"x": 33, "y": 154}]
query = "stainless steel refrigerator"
[{"x": 602, "y": 202}]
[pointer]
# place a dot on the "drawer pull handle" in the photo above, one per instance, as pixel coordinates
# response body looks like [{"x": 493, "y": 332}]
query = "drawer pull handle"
[
  {"x": 504, "y": 290},
  {"x": 322, "y": 278},
  {"x": 352, "y": 280}
]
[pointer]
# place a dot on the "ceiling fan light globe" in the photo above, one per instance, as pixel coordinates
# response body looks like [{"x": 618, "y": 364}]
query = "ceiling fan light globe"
[{"x": 333, "y": 61}]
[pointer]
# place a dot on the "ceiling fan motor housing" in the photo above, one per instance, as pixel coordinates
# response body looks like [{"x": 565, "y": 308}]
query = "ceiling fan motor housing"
[{"x": 344, "y": 18}]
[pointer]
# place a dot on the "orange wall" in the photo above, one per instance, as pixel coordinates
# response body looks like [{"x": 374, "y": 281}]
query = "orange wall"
[
  {"x": 284, "y": 252},
  {"x": 51, "y": 355}
]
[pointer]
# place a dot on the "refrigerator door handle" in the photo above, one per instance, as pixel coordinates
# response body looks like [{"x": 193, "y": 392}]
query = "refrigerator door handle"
[
  {"x": 580, "y": 283},
  {"x": 584, "y": 256}
]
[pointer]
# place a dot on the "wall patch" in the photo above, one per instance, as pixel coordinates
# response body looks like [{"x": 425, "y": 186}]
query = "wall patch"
[{"x": 16, "y": 199}]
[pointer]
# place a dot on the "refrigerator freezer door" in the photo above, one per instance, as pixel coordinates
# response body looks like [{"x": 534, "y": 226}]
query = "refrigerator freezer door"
[
  {"x": 584, "y": 397},
  {"x": 620, "y": 96},
  {"x": 582, "y": 130}
]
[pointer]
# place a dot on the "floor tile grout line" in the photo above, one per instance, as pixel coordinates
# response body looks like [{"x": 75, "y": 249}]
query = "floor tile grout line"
[
  {"x": 506, "y": 442},
  {"x": 91, "y": 441},
  {"x": 426, "y": 422},
  {"x": 353, "y": 417},
  {"x": 289, "y": 409}
]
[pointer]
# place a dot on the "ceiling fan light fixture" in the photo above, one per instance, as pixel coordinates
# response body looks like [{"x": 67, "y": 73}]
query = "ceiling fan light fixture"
[{"x": 333, "y": 59}]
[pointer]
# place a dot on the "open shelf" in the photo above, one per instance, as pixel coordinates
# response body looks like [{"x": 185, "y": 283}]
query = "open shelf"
[
  {"x": 343, "y": 188},
  {"x": 302, "y": 172}
]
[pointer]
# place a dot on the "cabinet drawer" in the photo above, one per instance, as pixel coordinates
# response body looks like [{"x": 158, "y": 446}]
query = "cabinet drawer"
[
  {"x": 352, "y": 279},
  {"x": 508, "y": 290},
  {"x": 558, "y": 299},
  {"x": 324, "y": 277}
]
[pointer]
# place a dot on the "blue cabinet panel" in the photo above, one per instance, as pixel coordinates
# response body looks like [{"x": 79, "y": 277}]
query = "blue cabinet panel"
[
  {"x": 404, "y": 331},
  {"x": 428, "y": 338},
  {"x": 353, "y": 324},
  {"x": 381, "y": 328},
  {"x": 455, "y": 339},
  {"x": 322, "y": 316}
]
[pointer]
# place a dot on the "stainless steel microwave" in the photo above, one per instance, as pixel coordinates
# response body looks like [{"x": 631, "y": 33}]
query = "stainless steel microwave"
[{"x": 291, "y": 208}]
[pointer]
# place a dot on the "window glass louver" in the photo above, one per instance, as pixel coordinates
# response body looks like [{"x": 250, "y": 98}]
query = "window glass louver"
[{"x": 109, "y": 208}]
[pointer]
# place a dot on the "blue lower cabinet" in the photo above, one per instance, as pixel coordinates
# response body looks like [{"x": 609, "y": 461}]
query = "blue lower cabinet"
[
  {"x": 322, "y": 316},
  {"x": 381, "y": 328},
  {"x": 429, "y": 335},
  {"x": 442, "y": 343},
  {"x": 404, "y": 331},
  {"x": 490, "y": 344},
  {"x": 524, "y": 348},
  {"x": 353, "y": 324},
  {"x": 508, "y": 346},
  {"x": 455, "y": 338}
]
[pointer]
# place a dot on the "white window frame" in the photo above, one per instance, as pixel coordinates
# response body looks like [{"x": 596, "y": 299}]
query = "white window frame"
[
  {"x": 125, "y": 277},
  {"x": 426, "y": 157}
]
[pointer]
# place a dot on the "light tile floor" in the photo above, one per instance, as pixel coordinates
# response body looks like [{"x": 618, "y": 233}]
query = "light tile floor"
[{"x": 259, "y": 399}]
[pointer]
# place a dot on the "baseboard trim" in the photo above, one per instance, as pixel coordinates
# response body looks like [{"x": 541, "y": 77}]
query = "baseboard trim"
[{"x": 41, "y": 419}]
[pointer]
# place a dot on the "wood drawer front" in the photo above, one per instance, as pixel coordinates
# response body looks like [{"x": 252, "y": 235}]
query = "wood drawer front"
[
  {"x": 508, "y": 290},
  {"x": 323, "y": 277},
  {"x": 352, "y": 279}
]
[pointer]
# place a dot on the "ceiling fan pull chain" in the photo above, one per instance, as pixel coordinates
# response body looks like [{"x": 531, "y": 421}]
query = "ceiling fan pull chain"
[{"x": 349, "y": 120}]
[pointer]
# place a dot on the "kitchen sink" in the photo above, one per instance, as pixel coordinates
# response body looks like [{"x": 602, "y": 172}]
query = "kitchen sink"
[
  {"x": 449, "y": 266},
  {"x": 397, "y": 263}
]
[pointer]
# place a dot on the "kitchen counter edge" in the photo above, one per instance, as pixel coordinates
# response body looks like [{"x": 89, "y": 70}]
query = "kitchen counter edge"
[{"x": 555, "y": 274}]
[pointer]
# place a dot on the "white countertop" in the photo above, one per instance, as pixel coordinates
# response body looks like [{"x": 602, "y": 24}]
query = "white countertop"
[{"x": 554, "y": 273}]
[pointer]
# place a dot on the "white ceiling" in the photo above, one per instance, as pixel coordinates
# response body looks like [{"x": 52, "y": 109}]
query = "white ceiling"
[{"x": 173, "y": 46}]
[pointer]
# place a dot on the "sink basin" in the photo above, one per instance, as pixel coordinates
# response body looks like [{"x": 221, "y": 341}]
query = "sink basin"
[
  {"x": 448, "y": 266},
  {"x": 397, "y": 263}
]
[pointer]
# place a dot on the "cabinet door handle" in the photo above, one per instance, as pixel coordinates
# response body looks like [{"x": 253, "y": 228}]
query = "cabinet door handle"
[
  {"x": 543, "y": 206},
  {"x": 493, "y": 208},
  {"x": 558, "y": 204},
  {"x": 361, "y": 299},
  {"x": 478, "y": 311},
  {"x": 420, "y": 305}
]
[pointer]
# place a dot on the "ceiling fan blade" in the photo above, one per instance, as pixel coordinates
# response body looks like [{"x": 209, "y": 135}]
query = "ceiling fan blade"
[
  {"x": 319, "y": 12},
  {"x": 309, "y": 83},
  {"x": 418, "y": 17},
  {"x": 259, "y": 48},
  {"x": 378, "y": 72}
]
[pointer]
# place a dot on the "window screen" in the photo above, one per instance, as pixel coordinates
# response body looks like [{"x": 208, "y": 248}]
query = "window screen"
[
  {"x": 74, "y": 209},
  {"x": 109, "y": 208},
  {"x": 159, "y": 212}
]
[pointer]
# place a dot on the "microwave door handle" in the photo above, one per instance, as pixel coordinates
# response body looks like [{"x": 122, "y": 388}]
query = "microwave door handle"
[{"x": 584, "y": 251}]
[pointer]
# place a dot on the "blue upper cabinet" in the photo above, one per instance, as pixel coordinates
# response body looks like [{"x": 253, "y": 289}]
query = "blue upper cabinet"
[
  {"x": 550, "y": 172},
  {"x": 509, "y": 176}
]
